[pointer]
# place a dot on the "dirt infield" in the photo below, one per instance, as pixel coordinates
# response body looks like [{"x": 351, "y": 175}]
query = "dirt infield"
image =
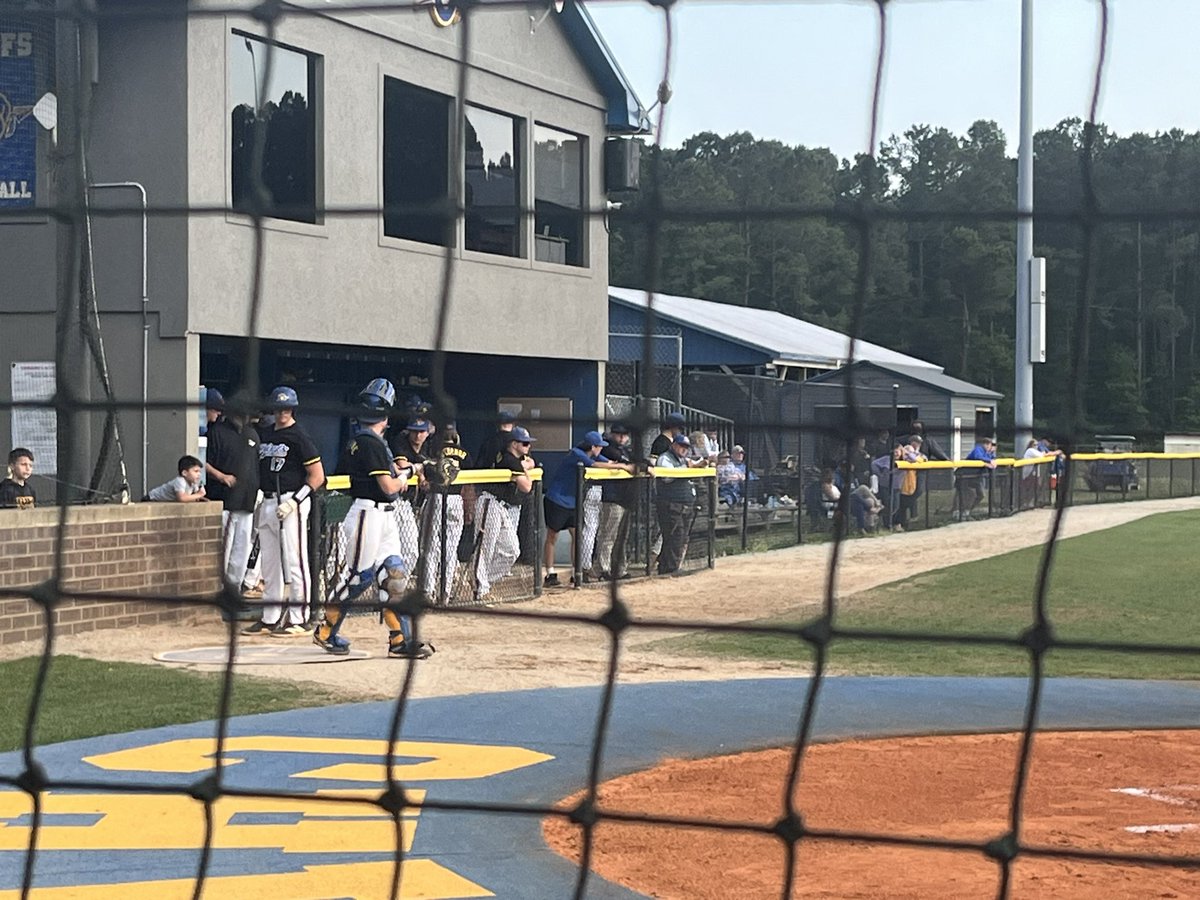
[
  {"x": 480, "y": 652},
  {"x": 1132, "y": 792}
]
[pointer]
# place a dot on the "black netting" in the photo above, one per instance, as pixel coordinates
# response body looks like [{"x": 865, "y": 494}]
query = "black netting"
[{"x": 782, "y": 503}]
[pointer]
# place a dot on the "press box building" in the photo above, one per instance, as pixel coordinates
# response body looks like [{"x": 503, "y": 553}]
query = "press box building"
[{"x": 359, "y": 111}]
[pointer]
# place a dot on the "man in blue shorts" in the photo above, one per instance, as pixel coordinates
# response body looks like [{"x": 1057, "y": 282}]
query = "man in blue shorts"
[{"x": 559, "y": 502}]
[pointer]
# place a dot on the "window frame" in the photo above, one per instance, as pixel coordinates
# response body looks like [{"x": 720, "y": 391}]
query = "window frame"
[
  {"x": 316, "y": 103},
  {"x": 521, "y": 137},
  {"x": 453, "y": 162},
  {"x": 585, "y": 261}
]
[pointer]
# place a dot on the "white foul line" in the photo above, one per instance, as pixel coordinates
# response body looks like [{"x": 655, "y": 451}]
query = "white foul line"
[{"x": 1161, "y": 797}]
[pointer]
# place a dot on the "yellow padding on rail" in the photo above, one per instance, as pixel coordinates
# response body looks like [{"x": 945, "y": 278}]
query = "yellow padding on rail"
[
  {"x": 606, "y": 474},
  {"x": 657, "y": 471},
  {"x": 465, "y": 476},
  {"x": 1006, "y": 462},
  {"x": 661, "y": 472}
]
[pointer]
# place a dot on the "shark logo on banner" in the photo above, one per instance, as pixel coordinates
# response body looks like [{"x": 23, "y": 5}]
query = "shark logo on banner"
[{"x": 18, "y": 135}]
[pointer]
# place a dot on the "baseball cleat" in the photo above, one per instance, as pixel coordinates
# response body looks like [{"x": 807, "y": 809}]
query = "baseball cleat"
[
  {"x": 260, "y": 628},
  {"x": 410, "y": 650},
  {"x": 297, "y": 630},
  {"x": 335, "y": 644}
]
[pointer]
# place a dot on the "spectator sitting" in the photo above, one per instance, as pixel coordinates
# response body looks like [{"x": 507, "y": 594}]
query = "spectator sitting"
[
  {"x": 731, "y": 479},
  {"x": 699, "y": 449},
  {"x": 866, "y": 508},
  {"x": 15, "y": 491},
  {"x": 185, "y": 487}
]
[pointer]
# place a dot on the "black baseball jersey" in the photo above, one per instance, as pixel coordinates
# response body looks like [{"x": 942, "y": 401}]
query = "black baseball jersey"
[
  {"x": 16, "y": 496},
  {"x": 619, "y": 491},
  {"x": 283, "y": 455},
  {"x": 233, "y": 451},
  {"x": 366, "y": 457},
  {"x": 661, "y": 445},
  {"x": 452, "y": 458},
  {"x": 402, "y": 448},
  {"x": 492, "y": 448},
  {"x": 507, "y": 491}
]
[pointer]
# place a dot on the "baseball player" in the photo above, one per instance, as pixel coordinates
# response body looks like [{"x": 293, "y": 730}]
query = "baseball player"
[
  {"x": 289, "y": 470},
  {"x": 231, "y": 462},
  {"x": 448, "y": 503},
  {"x": 407, "y": 448},
  {"x": 497, "y": 512},
  {"x": 370, "y": 530}
]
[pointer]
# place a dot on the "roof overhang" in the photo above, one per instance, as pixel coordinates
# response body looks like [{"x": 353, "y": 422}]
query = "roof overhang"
[{"x": 625, "y": 114}]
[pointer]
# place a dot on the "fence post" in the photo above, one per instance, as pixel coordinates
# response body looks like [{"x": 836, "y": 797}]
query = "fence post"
[
  {"x": 651, "y": 522},
  {"x": 800, "y": 501},
  {"x": 1171, "y": 479},
  {"x": 316, "y": 556},
  {"x": 443, "y": 495},
  {"x": 539, "y": 533},
  {"x": 712, "y": 522},
  {"x": 926, "y": 492},
  {"x": 577, "y": 543}
]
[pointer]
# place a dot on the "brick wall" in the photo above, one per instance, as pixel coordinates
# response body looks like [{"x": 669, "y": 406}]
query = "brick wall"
[{"x": 164, "y": 549}]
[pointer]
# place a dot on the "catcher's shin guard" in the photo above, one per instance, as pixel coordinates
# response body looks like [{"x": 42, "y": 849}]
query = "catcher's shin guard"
[
  {"x": 335, "y": 617},
  {"x": 400, "y": 627}
]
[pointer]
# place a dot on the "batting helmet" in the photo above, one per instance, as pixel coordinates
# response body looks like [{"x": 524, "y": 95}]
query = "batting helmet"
[
  {"x": 283, "y": 398},
  {"x": 376, "y": 401}
]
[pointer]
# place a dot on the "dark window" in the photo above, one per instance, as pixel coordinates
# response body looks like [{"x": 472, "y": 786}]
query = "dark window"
[
  {"x": 416, "y": 164},
  {"x": 285, "y": 111},
  {"x": 492, "y": 181},
  {"x": 558, "y": 166}
]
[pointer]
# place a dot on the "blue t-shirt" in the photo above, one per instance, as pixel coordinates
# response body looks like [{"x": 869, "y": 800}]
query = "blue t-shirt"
[
  {"x": 561, "y": 486},
  {"x": 981, "y": 454}
]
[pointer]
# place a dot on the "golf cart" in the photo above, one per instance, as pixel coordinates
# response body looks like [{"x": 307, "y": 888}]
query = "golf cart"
[{"x": 1103, "y": 474}]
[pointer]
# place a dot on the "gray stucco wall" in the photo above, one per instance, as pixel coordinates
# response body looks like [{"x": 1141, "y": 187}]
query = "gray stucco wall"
[
  {"x": 343, "y": 281},
  {"x": 160, "y": 117},
  {"x": 137, "y": 132}
]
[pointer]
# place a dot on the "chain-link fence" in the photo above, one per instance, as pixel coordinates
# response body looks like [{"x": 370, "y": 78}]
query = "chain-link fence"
[
  {"x": 796, "y": 505},
  {"x": 660, "y": 522},
  {"x": 464, "y": 545}
]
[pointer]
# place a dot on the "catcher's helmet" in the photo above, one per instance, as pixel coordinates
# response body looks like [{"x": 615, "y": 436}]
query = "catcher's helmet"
[
  {"x": 283, "y": 398},
  {"x": 375, "y": 401}
]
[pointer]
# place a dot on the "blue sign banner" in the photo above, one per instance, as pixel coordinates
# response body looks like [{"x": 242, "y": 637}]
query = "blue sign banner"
[{"x": 18, "y": 128}]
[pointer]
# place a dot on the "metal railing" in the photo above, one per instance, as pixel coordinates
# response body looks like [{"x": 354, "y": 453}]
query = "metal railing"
[
  {"x": 789, "y": 506},
  {"x": 454, "y": 552}
]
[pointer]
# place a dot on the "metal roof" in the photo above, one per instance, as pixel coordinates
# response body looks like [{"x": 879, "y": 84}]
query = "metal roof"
[
  {"x": 784, "y": 338},
  {"x": 935, "y": 378}
]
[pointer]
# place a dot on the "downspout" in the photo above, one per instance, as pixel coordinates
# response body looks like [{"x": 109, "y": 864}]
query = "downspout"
[{"x": 145, "y": 321}]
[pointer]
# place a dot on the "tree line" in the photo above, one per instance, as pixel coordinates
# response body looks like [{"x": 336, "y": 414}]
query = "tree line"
[{"x": 759, "y": 223}]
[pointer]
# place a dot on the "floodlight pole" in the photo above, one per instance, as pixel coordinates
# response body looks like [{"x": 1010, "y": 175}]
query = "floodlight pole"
[{"x": 1023, "y": 381}]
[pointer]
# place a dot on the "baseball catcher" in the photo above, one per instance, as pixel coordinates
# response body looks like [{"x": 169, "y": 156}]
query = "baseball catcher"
[{"x": 370, "y": 533}]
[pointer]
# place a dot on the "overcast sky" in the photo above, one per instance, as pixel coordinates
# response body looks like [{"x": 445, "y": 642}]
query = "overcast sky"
[{"x": 801, "y": 72}]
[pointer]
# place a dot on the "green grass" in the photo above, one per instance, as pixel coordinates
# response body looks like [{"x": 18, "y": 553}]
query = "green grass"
[
  {"x": 86, "y": 697},
  {"x": 1136, "y": 583}
]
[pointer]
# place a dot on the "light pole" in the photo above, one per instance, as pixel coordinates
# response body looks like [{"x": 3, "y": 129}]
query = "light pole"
[{"x": 1023, "y": 368}]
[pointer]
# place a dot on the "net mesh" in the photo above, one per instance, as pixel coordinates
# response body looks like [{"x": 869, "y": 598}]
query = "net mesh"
[{"x": 863, "y": 219}]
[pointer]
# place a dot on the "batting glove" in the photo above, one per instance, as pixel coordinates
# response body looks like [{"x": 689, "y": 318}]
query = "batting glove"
[{"x": 285, "y": 509}]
